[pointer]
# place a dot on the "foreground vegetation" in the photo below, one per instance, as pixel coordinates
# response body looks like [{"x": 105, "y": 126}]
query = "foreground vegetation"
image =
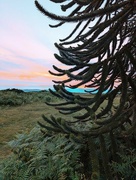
[
  {"x": 40, "y": 155},
  {"x": 35, "y": 153}
]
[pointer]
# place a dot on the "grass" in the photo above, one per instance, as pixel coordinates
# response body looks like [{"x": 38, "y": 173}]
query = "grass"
[
  {"x": 22, "y": 112},
  {"x": 18, "y": 118}
]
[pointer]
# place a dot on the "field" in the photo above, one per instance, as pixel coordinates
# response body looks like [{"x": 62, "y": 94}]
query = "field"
[
  {"x": 16, "y": 118},
  {"x": 20, "y": 112}
]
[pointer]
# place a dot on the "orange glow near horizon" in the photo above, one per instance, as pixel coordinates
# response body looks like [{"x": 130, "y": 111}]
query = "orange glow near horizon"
[{"x": 26, "y": 46}]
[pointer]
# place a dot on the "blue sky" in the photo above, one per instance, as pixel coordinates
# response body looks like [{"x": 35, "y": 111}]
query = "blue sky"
[{"x": 27, "y": 44}]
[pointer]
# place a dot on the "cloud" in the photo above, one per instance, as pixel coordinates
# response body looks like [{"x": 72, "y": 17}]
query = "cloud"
[
  {"x": 23, "y": 71},
  {"x": 22, "y": 57},
  {"x": 26, "y": 53}
]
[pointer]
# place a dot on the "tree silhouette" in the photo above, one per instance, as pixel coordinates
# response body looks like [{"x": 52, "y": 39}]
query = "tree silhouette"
[{"x": 100, "y": 55}]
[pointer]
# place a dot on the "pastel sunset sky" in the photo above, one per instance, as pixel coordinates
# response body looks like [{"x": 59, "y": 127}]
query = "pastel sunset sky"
[{"x": 27, "y": 44}]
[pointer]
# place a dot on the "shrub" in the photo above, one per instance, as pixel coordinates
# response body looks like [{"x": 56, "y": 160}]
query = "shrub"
[
  {"x": 127, "y": 166},
  {"x": 37, "y": 156},
  {"x": 48, "y": 99}
]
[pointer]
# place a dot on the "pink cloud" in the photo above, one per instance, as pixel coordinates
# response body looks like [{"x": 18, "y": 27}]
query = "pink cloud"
[{"x": 25, "y": 53}]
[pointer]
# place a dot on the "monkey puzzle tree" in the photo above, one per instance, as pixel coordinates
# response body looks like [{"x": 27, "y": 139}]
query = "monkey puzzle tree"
[{"x": 98, "y": 54}]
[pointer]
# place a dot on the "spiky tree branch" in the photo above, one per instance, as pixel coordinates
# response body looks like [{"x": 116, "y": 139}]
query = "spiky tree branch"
[{"x": 100, "y": 53}]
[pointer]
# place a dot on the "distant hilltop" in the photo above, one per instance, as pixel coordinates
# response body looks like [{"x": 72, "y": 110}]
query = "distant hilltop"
[{"x": 13, "y": 90}]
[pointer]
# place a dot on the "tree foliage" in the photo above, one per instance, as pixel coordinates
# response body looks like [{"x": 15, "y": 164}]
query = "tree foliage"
[{"x": 100, "y": 55}]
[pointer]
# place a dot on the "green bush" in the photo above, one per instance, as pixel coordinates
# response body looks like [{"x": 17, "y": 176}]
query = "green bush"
[
  {"x": 38, "y": 157},
  {"x": 127, "y": 166},
  {"x": 48, "y": 99},
  {"x": 13, "y": 98}
]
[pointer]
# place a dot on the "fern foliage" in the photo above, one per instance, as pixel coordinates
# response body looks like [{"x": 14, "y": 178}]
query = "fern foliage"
[
  {"x": 127, "y": 166},
  {"x": 36, "y": 156}
]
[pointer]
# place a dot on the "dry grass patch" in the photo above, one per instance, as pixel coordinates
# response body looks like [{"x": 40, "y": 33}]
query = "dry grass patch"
[{"x": 15, "y": 120}]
